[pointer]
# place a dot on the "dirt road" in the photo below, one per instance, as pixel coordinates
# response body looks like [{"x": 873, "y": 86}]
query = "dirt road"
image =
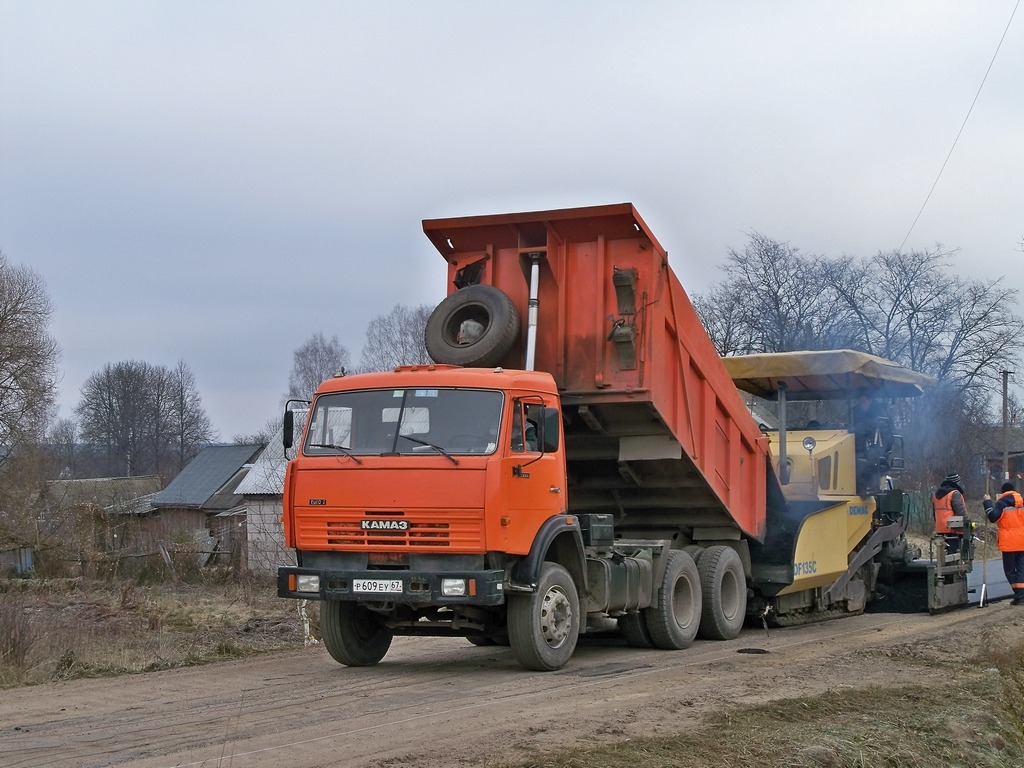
[{"x": 444, "y": 702}]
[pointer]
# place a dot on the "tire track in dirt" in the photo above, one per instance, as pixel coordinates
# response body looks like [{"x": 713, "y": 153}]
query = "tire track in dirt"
[{"x": 440, "y": 701}]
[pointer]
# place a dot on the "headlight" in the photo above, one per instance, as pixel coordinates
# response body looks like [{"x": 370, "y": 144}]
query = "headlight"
[
  {"x": 453, "y": 587},
  {"x": 307, "y": 582}
]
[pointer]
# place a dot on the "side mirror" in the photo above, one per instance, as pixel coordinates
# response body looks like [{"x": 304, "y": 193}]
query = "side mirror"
[
  {"x": 289, "y": 429},
  {"x": 288, "y": 433}
]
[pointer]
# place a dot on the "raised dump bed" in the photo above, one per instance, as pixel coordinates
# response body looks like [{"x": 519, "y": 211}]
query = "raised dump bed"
[{"x": 656, "y": 432}]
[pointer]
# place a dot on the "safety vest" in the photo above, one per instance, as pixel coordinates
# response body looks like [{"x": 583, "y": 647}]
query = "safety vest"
[
  {"x": 943, "y": 511},
  {"x": 1011, "y": 524}
]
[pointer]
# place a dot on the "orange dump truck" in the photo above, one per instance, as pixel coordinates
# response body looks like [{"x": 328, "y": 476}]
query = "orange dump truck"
[{"x": 579, "y": 453}]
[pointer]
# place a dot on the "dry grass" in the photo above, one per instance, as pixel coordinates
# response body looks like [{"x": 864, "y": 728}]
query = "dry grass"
[
  {"x": 973, "y": 720},
  {"x": 68, "y": 628}
]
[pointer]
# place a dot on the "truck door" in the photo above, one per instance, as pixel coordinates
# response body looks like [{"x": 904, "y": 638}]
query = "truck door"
[{"x": 534, "y": 472}]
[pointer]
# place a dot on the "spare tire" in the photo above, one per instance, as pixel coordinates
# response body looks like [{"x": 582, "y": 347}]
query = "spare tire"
[{"x": 475, "y": 326}]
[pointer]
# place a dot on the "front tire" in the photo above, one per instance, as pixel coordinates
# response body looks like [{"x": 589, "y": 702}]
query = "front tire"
[
  {"x": 354, "y": 636},
  {"x": 674, "y": 619},
  {"x": 543, "y": 627}
]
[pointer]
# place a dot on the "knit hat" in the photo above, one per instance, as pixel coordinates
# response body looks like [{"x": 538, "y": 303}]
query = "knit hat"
[
  {"x": 952, "y": 479},
  {"x": 1006, "y": 487}
]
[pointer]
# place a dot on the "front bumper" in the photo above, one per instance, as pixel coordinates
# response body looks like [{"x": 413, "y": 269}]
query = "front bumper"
[{"x": 417, "y": 588}]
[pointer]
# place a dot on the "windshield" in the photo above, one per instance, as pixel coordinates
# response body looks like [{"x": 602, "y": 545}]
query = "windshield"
[{"x": 405, "y": 421}]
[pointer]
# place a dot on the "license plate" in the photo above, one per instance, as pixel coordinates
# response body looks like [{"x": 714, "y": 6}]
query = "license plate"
[{"x": 379, "y": 586}]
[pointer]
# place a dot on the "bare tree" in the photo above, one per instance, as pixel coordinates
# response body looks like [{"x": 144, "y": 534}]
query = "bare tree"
[
  {"x": 315, "y": 361},
  {"x": 396, "y": 339},
  {"x": 157, "y": 438},
  {"x": 981, "y": 337},
  {"x": 189, "y": 425},
  {"x": 909, "y": 308},
  {"x": 21, "y": 507},
  {"x": 111, "y": 413},
  {"x": 28, "y": 358},
  {"x": 725, "y": 319},
  {"x": 262, "y": 436},
  {"x": 774, "y": 299},
  {"x": 62, "y": 441},
  {"x": 1014, "y": 410},
  {"x": 144, "y": 419},
  {"x": 905, "y": 307}
]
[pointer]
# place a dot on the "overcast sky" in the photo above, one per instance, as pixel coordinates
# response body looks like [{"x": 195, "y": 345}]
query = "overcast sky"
[{"x": 217, "y": 181}]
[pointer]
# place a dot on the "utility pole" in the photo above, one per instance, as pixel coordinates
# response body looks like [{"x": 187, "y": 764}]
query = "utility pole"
[{"x": 1006, "y": 430}]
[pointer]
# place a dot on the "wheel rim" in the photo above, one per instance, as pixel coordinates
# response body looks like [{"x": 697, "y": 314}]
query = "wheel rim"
[
  {"x": 365, "y": 624},
  {"x": 555, "y": 617},
  {"x": 683, "y": 602},
  {"x": 730, "y": 595},
  {"x": 476, "y": 313}
]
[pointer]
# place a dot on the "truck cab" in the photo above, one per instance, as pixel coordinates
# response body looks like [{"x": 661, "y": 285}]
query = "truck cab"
[{"x": 415, "y": 493}]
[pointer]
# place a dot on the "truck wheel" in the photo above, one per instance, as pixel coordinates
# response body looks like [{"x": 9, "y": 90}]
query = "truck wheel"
[
  {"x": 354, "y": 636},
  {"x": 694, "y": 551},
  {"x": 475, "y": 326},
  {"x": 543, "y": 627},
  {"x": 725, "y": 593},
  {"x": 634, "y": 629},
  {"x": 500, "y": 637},
  {"x": 674, "y": 619}
]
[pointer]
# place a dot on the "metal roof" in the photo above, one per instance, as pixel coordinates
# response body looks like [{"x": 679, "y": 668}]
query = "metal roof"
[
  {"x": 130, "y": 495},
  {"x": 266, "y": 478},
  {"x": 824, "y": 375},
  {"x": 210, "y": 480}
]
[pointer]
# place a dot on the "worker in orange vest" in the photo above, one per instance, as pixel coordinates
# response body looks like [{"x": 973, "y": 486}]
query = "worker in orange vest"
[
  {"x": 1008, "y": 514},
  {"x": 948, "y": 501}
]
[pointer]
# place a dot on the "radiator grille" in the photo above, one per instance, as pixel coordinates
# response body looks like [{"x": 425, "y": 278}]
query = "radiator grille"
[{"x": 448, "y": 531}]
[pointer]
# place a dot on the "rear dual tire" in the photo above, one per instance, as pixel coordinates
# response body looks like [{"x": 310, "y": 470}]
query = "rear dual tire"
[
  {"x": 672, "y": 622},
  {"x": 706, "y": 583},
  {"x": 724, "y": 587},
  {"x": 674, "y": 618}
]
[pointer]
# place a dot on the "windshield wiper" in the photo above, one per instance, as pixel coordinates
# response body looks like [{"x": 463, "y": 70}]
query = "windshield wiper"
[
  {"x": 341, "y": 448},
  {"x": 436, "y": 447}
]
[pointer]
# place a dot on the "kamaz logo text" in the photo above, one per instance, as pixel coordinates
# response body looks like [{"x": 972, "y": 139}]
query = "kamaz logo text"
[{"x": 384, "y": 525}]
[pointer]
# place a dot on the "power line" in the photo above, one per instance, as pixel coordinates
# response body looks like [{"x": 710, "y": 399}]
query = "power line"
[{"x": 962, "y": 125}]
